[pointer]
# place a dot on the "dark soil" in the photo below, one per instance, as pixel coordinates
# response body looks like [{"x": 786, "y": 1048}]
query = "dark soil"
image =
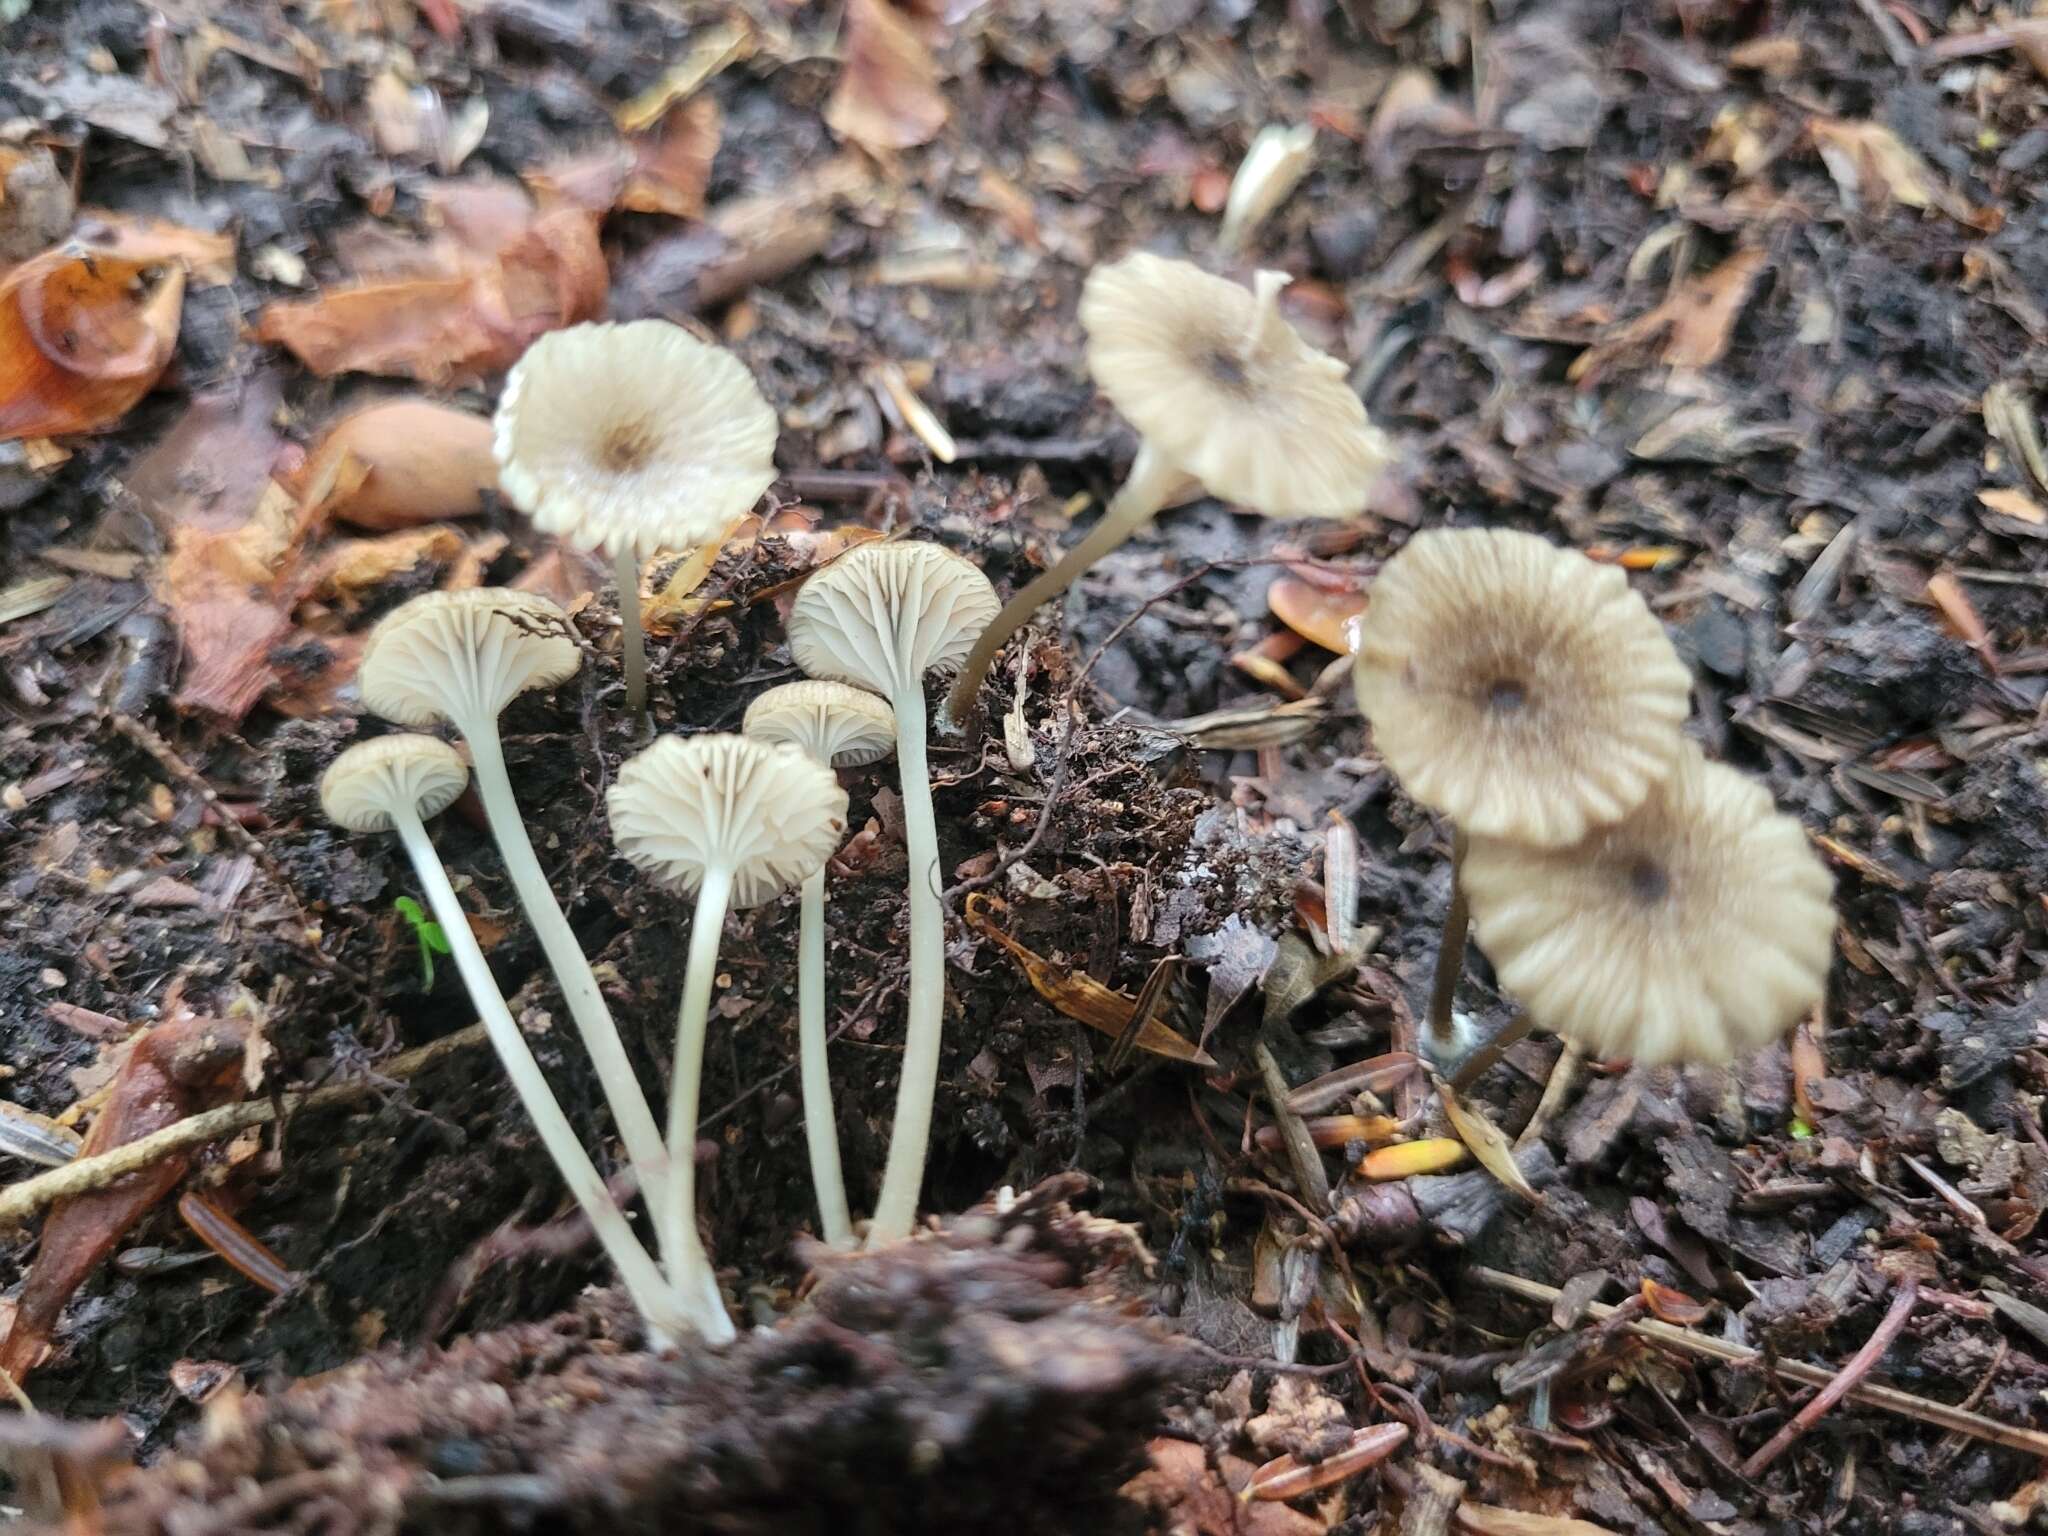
[{"x": 1469, "y": 231}]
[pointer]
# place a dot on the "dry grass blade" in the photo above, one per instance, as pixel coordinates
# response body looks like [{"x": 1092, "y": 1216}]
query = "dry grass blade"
[{"x": 1486, "y": 1141}]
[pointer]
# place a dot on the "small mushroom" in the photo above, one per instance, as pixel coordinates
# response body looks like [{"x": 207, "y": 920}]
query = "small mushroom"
[
  {"x": 880, "y": 617},
  {"x": 1697, "y": 928},
  {"x": 632, "y": 438},
  {"x": 1222, "y": 390},
  {"x": 461, "y": 657},
  {"x": 737, "y": 822},
  {"x": 392, "y": 784},
  {"x": 844, "y": 727}
]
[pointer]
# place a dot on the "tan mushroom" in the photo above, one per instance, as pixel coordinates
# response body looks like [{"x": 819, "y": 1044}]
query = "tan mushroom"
[
  {"x": 844, "y": 727},
  {"x": 1699, "y": 927},
  {"x": 632, "y": 438},
  {"x": 1223, "y": 391}
]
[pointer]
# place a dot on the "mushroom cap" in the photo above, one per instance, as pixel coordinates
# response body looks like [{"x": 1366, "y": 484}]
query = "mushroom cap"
[
  {"x": 884, "y": 614},
  {"x": 632, "y": 437},
  {"x": 1519, "y": 688},
  {"x": 363, "y": 788},
  {"x": 464, "y": 656},
  {"x": 766, "y": 811},
  {"x": 834, "y": 722},
  {"x": 1273, "y": 425},
  {"x": 1695, "y": 929}
]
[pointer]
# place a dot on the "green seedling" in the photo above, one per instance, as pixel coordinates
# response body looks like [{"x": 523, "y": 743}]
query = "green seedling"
[{"x": 432, "y": 940}]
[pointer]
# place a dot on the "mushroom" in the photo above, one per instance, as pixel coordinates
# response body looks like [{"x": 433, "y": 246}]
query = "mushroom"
[
  {"x": 1696, "y": 928},
  {"x": 737, "y": 822},
  {"x": 1520, "y": 689},
  {"x": 844, "y": 727},
  {"x": 632, "y": 438},
  {"x": 392, "y": 784},
  {"x": 1222, "y": 391},
  {"x": 880, "y": 617},
  {"x": 461, "y": 657}
]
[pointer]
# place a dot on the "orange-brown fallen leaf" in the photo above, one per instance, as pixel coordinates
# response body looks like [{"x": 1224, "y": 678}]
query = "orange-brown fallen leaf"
[
  {"x": 1433, "y": 1154},
  {"x": 350, "y": 567},
  {"x": 1672, "y": 1306},
  {"x": 459, "y": 326},
  {"x": 1288, "y": 1477},
  {"x": 672, "y": 164},
  {"x": 82, "y": 338},
  {"x": 1948, "y": 596},
  {"x": 419, "y": 463},
  {"x": 1873, "y": 165},
  {"x": 1809, "y": 1066},
  {"x": 887, "y": 96},
  {"x": 1188, "y": 1497},
  {"x": 174, "y": 1070},
  {"x": 1077, "y": 995},
  {"x": 208, "y": 259},
  {"x": 1691, "y": 328},
  {"x": 1318, "y": 614}
]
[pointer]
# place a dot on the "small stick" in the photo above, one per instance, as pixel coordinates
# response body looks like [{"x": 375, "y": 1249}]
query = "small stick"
[
  {"x": 1554, "y": 1093},
  {"x": 1860, "y": 1365},
  {"x": 1302, "y": 1155},
  {"x": 1872, "y": 1395},
  {"x": 20, "y": 1201}
]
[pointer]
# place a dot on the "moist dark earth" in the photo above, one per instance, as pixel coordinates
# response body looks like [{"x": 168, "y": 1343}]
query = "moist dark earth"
[{"x": 1746, "y": 296}]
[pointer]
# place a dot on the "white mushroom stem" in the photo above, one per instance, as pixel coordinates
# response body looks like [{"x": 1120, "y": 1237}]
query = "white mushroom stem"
[
  {"x": 638, "y": 1128},
  {"x": 1266, "y": 287},
  {"x": 910, "y": 1134},
  {"x": 665, "y": 1314},
  {"x": 627, "y": 568},
  {"x": 691, "y": 1269},
  {"x": 1145, "y": 490},
  {"x": 821, "y": 1132}
]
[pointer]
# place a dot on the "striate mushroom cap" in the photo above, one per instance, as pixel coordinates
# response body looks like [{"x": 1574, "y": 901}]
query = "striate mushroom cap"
[
  {"x": 364, "y": 788},
  {"x": 464, "y": 656},
  {"x": 632, "y": 437},
  {"x": 836, "y": 723},
  {"x": 1521, "y": 689},
  {"x": 763, "y": 810},
  {"x": 1696, "y": 929},
  {"x": 1224, "y": 388},
  {"x": 884, "y": 614}
]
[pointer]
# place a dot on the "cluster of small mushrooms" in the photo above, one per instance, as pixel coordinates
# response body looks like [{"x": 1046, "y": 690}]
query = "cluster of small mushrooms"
[{"x": 1517, "y": 688}]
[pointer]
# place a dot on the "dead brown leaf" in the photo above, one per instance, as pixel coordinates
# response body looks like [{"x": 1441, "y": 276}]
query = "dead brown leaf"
[
  {"x": 1493, "y": 1520},
  {"x": 350, "y": 567},
  {"x": 1318, "y": 614},
  {"x": 1186, "y": 1495},
  {"x": 82, "y": 339},
  {"x": 672, "y": 164},
  {"x": 415, "y": 462},
  {"x": 208, "y": 259},
  {"x": 1488, "y": 1143},
  {"x": 1873, "y": 166},
  {"x": 887, "y": 96},
  {"x": 1691, "y": 328}
]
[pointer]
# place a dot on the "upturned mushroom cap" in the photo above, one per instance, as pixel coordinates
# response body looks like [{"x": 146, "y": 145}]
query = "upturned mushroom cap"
[
  {"x": 767, "y": 812},
  {"x": 464, "y": 655},
  {"x": 834, "y": 722},
  {"x": 1519, "y": 688},
  {"x": 632, "y": 437},
  {"x": 1696, "y": 929},
  {"x": 882, "y": 615},
  {"x": 1221, "y": 385},
  {"x": 364, "y": 788}
]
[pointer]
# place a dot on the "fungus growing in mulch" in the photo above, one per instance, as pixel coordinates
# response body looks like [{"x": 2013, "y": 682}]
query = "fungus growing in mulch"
[
  {"x": 1522, "y": 690},
  {"x": 1222, "y": 391},
  {"x": 632, "y": 438},
  {"x": 737, "y": 822},
  {"x": 461, "y": 658},
  {"x": 880, "y": 617},
  {"x": 843, "y": 727},
  {"x": 1699, "y": 927},
  {"x": 393, "y": 784}
]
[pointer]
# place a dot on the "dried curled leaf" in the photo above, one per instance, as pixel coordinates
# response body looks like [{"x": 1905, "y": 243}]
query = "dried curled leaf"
[
  {"x": 888, "y": 93},
  {"x": 1488, "y": 1143},
  {"x": 1691, "y": 328},
  {"x": 1285, "y": 1477},
  {"x": 1493, "y": 1520},
  {"x": 1673, "y": 1306},
  {"x": 1871, "y": 164},
  {"x": 672, "y": 165},
  {"x": 82, "y": 338}
]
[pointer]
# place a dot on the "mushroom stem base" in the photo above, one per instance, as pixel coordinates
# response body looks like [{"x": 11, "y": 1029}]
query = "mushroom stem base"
[
  {"x": 688, "y": 1266},
  {"x": 627, "y": 568},
  {"x": 1440, "y": 1037},
  {"x": 821, "y": 1133}
]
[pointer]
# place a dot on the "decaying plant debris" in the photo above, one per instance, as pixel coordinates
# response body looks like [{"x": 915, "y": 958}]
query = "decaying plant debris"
[{"x": 1742, "y": 299}]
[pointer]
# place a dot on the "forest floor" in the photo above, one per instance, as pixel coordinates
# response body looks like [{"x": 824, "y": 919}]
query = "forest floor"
[{"x": 1745, "y": 296}]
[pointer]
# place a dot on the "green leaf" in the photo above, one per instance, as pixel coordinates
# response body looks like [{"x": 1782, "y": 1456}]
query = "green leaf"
[
  {"x": 1801, "y": 1131},
  {"x": 427, "y": 932}
]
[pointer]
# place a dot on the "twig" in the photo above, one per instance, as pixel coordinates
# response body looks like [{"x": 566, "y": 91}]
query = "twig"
[
  {"x": 1870, "y": 1394},
  {"x": 1554, "y": 1093},
  {"x": 20, "y": 1201},
  {"x": 1859, "y": 1366},
  {"x": 1897, "y": 46},
  {"x": 1302, "y": 1155}
]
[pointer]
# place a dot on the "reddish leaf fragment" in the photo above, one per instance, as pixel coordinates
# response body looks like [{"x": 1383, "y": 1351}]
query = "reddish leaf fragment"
[
  {"x": 888, "y": 93},
  {"x": 1284, "y": 1477},
  {"x": 82, "y": 339},
  {"x": 417, "y": 462},
  {"x": 1672, "y": 1306},
  {"x": 672, "y": 165}
]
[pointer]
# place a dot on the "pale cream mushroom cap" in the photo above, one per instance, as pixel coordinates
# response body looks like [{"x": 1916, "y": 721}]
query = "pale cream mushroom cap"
[
  {"x": 884, "y": 614},
  {"x": 1698, "y": 928},
  {"x": 1226, "y": 390},
  {"x": 834, "y": 722},
  {"x": 363, "y": 788},
  {"x": 632, "y": 437},
  {"x": 768, "y": 812},
  {"x": 1521, "y": 689},
  {"x": 464, "y": 656}
]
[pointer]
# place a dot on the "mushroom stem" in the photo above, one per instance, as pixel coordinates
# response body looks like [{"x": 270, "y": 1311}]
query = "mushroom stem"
[
  {"x": 1266, "y": 287},
  {"x": 910, "y": 1134},
  {"x": 1152, "y": 479},
  {"x": 638, "y": 1128},
  {"x": 627, "y": 567},
  {"x": 1440, "y": 1037},
  {"x": 821, "y": 1133},
  {"x": 657, "y": 1302},
  {"x": 690, "y": 1268}
]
